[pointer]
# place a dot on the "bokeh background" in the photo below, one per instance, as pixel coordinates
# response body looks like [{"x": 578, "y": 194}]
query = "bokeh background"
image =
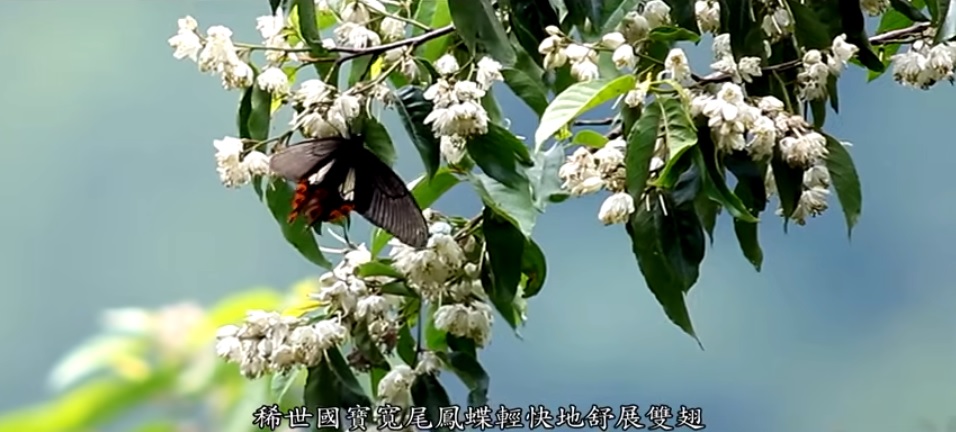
[{"x": 110, "y": 199}]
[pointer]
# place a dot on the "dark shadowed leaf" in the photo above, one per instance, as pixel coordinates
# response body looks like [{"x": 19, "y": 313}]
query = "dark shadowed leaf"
[
  {"x": 528, "y": 20},
  {"x": 673, "y": 34},
  {"x": 576, "y": 100},
  {"x": 833, "y": 93},
  {"x": 378, "y": 141},
  {"x": 498, "y": 297},
  {"x": 810, "y": 32},
  {"x": 255, "y": 113},
  {"x": 679, "y": 132},
  {"x": 426, "y": 191},
  {"x": 413, "y": 108},
  {"x": 707, "y": 211},
  {"x": 746, "y": 37},
  {"x": 398, "y": 288},
  {"x": 480, "y": 29},
  {"x": 428, "y": 392},
  {"x": 491, "y": 106},
  {"x": 278, "y": 196},
  {"x": 747, "y": 232},
  {"x": 613, "y": 11},
  {"x": 505, "y": 246},
  {"x": 543, "y": 175},
  {"x": 469, "y": 370},
  {"x": 581, "y": 10},
  {"x": 819, "y": 109},
  {"x": 909, "y": 11},
  {"x": 845, "y": 182},
  {"x": 515, "y": 204},
  {"x": 532, "y": 91},
  {"x": 650, "y": 230},
  {"x": 715, "y": 185},
  {"x": 640, "y": 148},
  {"x": 406, "y": 345},
  {"x": 683, "y": 13},
  {"x": 789, "y": 183},
  {"x": 499, "y": 153},
  {"x": 535, "y": 268},
  {"x": 332, "y": 384},
  {"x": 853, "y": 25}
]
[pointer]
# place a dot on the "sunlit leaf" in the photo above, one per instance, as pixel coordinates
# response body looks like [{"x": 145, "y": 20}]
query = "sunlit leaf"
[{"x": 576, "y": 100}]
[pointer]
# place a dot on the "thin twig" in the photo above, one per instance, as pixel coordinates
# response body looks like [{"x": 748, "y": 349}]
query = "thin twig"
[
  {"x": 594, "y": 122},
  {"x": 353, "y": 53}
]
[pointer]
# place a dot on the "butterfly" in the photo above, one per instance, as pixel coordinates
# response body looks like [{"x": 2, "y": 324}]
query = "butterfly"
[{"x": 336, "y": 176}]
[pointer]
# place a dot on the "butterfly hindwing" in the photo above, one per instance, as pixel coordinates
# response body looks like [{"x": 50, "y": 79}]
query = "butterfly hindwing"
[
  {"x": 382, "y": 198},
  {"x": 298, "y": 161}
]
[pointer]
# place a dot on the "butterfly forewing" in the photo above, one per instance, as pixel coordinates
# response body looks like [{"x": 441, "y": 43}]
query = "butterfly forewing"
[
  {"x": 382, "y": 198},
  {"x": 298, "y": 161}
]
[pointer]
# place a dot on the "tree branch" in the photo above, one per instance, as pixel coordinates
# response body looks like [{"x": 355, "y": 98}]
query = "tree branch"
[{"x": 353, "y": 53}]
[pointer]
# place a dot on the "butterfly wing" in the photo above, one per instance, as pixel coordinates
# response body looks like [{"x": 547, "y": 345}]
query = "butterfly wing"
[
  {"x": 298, "y": 161},
  {"x": 381, "y": 197}
]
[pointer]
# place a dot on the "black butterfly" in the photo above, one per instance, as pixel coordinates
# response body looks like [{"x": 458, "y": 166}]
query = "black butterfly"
[{"x": 335, "y": 176}]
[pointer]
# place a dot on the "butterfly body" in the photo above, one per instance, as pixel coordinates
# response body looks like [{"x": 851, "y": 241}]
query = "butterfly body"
[{"x": 336, "y": 176}]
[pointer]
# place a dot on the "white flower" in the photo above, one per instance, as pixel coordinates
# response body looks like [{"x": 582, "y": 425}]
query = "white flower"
[
  {"x": 395, "y": 386},
  {"x": 657, "y": 13},
  {"x": 356, "y": 36},
  {"x": 617, "y": 208},
  {"x": 549, "y": 45},
  {"x": 635, "y": 97},
  {"x": 770, "y": 105},
  {"x": 270, "y": 26},
  {"x": 489, "y": 71},
  {"x": 813, "y": 76},
  {"x": 708, "y": 15},
  {"x": 313, "y": 92},
  {"x": 748, "y": 68},
  {"x": 229, "y": 348},
  {"x": 777, "y": 24},
  {"x": 314, "y": 125},
  {"x": 446, "y": 65},
  {"x": 676, "y": 64},
  {"x": 634, "y": 27},
  {"x": 273, "y": 80},
  {"x": 803, "y": 150},
  {"x": 231, "y": 171},
  {"x": 429, "y": 363},
  {"x": 453, "y": 149},
  {"x": 579, "y": 53},
  {"x": 875, "y": 7},
  {"x": 371, "y": 306},
  {"x": 344, "y": 109},
  {"x": 186, "y": 42},
  {"x": 392, "y": 29},
  {"x": 237, "y": 75},
  {"x": 218, "y": 51},
  {"x": 764, "y": 136},
  {"x": 721, "y": 45},
  {"x": 472, "y": 321},
  {"x": 623, "y": 57},
  {"x": 585, "y": 70},
  {"x": 613, "y": 40},
  {"x": 257, "y": 163}
]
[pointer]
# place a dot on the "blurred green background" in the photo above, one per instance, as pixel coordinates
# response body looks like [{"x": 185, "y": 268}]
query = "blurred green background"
[{"x": 111, "y": 200}]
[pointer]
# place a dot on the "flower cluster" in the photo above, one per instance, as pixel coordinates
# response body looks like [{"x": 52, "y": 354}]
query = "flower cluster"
[
  {"x": 925, "y": 64},
  {"x": 443, "y": 275},
  {"x": 586, "y": 172},
  {"x": 739, "y": 71},
  {"x": 322, "y": 111},
  {"x": 234, "y": 169},
  {"x": 214, "y": 54},
  {"x": 625, "y": 43},
  {"x": 457, "y": 112},
  {"x": 815, "y": 72}
]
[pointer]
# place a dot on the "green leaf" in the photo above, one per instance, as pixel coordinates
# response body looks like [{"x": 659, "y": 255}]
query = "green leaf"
[
  {"x": 581, "y": 10},
  {"x": 406, "y": 346},
  {"x": 479, "y": 27},
  {"x": 640, "y": 149},
  {"x": 819, "y": 109},
  {"x": 853, "y": 25},
  {"x": 747, "y": 232},
  {"x": 535, "y": 268},
  {"x": 503, "y": 304},
  {"x": 528, "y": 89},
  {"x": 472, "y": 374},
  {"x": 308, "y": 25},
  {"x": 332, "y": 384},
  {"x": 613, "y": 11},
  {"x": 653, "y": 234},
  {"x": 908, "y": 10},
  {"x": 94, "y": 355},
  {"x": 491, "y": 106},
  {"x": 810, "y": 32},
  {"x": 426, "y": 190},
  {"x": 891, "y": 20},
  {"x": 398, "y": 288},
  {"x": 589, "y": 138},
  {"x": 505, "y": 246},
  {"x": 576, "y": 100},
  {"x": 673, "y": 34},
  {"x": 498, "y": 153},
  {"x": 440, "y": 17},
  {"x": 378, "y": 141},
  {"x": 516, "y": 205},
  {"x": 846, "y": 182},
  {"x": 378, "y": 268},
  {"x": 545, "y": 182},
  {"x": 255, "y": 113},
  {"x": 705, "y": 157},
  {"x": 679, "y": 132},
  {"x": 707, "y": 211},
  {"x": 946, "y": 26},
  {"x": 281, "y": 382},
  {"x": 413, "y": 108},
  {"x": 278, "y": 196},
  {"x": 435, "y": 339},
  {"x": 428, "y": 392}
]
